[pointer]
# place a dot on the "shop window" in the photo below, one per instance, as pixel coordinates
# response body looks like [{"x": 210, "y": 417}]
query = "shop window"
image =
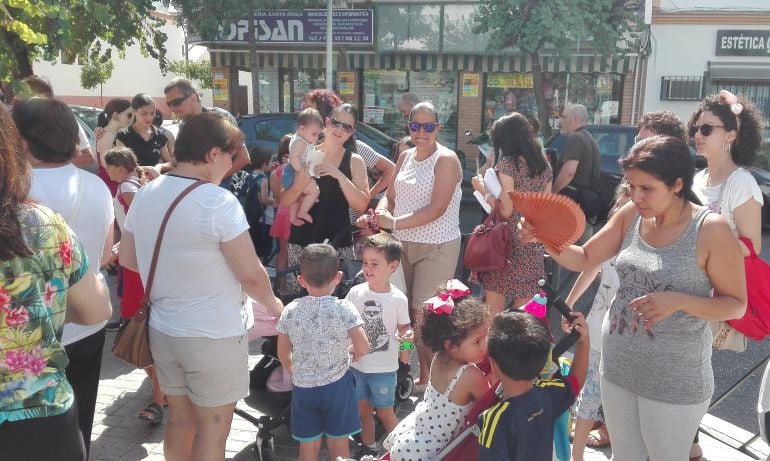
[
  {"x": 268, "y": 91},
  {"x": 458, "y": 36},
  {"x": 382, "y": 89},
  {"x": 681, "y": 88},
  {"x": 408, "y": 27},
  {"x": 304, "y": 81}
]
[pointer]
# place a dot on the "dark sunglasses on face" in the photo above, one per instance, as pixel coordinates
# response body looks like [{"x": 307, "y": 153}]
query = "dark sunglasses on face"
[
  {"x": 178, "y": 101},
  {"x": 428, "y": 127},
  {"x": 705, "y": 129},
  {"x": 336, "y": 123}
]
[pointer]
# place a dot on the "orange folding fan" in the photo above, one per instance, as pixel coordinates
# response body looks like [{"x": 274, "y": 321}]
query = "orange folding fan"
[{"x": 557, "y": 219}]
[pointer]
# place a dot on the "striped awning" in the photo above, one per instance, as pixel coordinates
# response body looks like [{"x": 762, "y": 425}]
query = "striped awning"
[{"x": 427, "y": 62}]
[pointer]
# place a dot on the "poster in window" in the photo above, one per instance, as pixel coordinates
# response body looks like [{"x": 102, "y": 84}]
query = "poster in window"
[
  {"x": 347, "y": 81},
  {"x": 220, "y": 86},
  {"x": 471, "y": 85}
]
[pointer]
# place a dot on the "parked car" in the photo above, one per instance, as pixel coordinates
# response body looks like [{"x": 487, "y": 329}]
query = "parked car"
[
  {"x": 266, "y": 130},
  {"x": 615, "y": 141},
  {"x": 87, "y": 117}
]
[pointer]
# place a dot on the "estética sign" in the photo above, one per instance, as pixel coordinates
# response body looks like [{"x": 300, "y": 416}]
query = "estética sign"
[
  {"x": 743, "y": 43},
  {"x": 353, "y": 27}
]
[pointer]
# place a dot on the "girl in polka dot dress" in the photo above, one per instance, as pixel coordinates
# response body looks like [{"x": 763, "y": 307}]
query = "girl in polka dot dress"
[{"x": 455, "y": 328}]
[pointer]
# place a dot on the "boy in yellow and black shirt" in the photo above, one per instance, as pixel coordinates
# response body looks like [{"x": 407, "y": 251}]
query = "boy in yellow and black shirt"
[{"x": 520, "y": 427}]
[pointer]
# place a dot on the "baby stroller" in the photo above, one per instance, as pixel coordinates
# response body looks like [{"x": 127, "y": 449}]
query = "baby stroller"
[{"x": 464, "y": 446}]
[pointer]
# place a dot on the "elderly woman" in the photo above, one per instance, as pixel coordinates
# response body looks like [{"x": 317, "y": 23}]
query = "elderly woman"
[
  {"x": 672, "y": 255},
  {"x": 342, "y": 183},
  {"x": 422, "y": 207},
  {"x": 44, "y": 275},
  {"x": 206, "y": 263}
]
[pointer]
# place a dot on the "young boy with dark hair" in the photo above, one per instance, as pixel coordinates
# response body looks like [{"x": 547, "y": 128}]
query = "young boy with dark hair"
[
  {"x": 520, "y": 427},
  {"x": 385, "y": 311},
  {"x": 254, "y": 195},
  {"x": 314, "y": 343}
]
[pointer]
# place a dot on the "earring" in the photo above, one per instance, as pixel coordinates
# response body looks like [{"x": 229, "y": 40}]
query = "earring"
[{"x": 726, "y": 146}]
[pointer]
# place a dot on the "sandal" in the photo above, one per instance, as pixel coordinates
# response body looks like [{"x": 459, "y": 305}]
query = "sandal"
[
  {"x": 152, "y": 413},
  {"x": 599, "y": 438}
]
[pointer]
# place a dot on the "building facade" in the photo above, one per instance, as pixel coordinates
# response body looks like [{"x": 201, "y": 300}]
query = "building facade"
[
  {"x": 697, "y": 48},
  {"x": 429, "y": 49}
]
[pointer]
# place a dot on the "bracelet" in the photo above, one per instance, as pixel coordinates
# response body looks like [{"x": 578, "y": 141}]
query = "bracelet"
[{"x": 394, "y": 226}]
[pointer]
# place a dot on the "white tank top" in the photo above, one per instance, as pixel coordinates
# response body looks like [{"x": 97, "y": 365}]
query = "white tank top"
[{"x": 414, "y": 187}]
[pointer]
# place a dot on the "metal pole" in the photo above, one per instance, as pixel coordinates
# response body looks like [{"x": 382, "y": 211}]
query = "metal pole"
[{"x": 329, "y": 66}]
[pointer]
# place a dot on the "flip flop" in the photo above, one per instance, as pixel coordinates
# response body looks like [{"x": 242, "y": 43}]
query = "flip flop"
[
  {"x": 598, "y": 438},
  {"x": 152, "y": 413}
]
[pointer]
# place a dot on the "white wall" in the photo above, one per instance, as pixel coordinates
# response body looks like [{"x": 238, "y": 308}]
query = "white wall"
[
  {"x": 133, "y": 74},
  {"x": 683, "y": 50},
  {"x": 728, "y": 5}
]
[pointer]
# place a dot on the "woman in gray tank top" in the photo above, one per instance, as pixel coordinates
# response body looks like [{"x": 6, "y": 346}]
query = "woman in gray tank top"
[{"x": 672, "y": 254}]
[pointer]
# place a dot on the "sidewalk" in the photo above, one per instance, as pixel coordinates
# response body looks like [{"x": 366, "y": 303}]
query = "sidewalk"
[{"x": 123, "y": 391}]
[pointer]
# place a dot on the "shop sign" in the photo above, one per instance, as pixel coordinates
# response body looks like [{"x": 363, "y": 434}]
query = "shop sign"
[
  {"x": 347, "y": 80},
  {"x": 515, "y": 80},
  {"x": 354, "y": 27},
  {"x": 743, "y": 43},
  {"x": 471, "y": 85},
  {"x": 220, "y": 86}
]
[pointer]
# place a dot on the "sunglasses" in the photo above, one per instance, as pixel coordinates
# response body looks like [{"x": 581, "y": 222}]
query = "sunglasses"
[
  {"x": 178, "y": 101},
  {"x": 346, "y": 127},
  {"x": 428, "y": 127},
  {"x": 705, "y": 129}
]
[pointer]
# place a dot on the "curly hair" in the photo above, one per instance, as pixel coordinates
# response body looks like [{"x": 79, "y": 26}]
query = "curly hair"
[
  {"x": 324, "y": 100},
  {"x": 469, "y": 313},
  {"x": 749, "y": 137},
  {"x": 663, "y": 122}
]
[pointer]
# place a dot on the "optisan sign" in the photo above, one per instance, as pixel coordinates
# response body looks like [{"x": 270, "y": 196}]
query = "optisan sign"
[
  {"x": 743, "y": 43},
  {"x": 354, "y": 27}
]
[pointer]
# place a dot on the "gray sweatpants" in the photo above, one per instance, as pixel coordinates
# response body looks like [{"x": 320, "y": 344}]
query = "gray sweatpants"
[{"x": 640, "y": 428}]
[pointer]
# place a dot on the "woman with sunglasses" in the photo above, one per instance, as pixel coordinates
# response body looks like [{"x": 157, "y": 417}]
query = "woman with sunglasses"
[
  {"x": 205, "y": 264},
  {"x": 117, "y": 114},
  {"x": 148, "y": 142},
  {"x": 343, "y": 186},
  {"x": 422, "y": 208},
  {"x": 727, "y": 132}
]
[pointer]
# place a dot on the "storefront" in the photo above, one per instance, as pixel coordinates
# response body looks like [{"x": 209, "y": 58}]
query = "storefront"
[{"x": 430, "y": 51}]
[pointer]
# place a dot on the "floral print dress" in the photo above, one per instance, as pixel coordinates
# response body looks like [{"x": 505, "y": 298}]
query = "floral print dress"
[
  {"x": 524, "y": 265},
  {"x": 33, "y": 303}
]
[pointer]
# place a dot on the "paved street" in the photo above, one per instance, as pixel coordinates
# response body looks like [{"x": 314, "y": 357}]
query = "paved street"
[{"x": 119, "y": 435}]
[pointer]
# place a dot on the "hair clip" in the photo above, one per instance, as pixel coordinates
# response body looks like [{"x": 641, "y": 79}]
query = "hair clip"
[
  {"x": 536, "y": 305},
  {"x": 443, "y": 303}
]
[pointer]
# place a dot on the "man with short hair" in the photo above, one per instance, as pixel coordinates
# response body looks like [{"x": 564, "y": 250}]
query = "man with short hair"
[
  {"x": 580, "y": 160},
  {"x": 406, "y": 102},
  {"x": 183, "y": 99},
  {"x": 660, "y": 122}
]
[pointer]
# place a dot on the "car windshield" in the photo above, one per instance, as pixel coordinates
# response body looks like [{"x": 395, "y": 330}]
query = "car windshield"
[
  {"x": 87, "y": 115},
  {"x": 374, "y": 134}
]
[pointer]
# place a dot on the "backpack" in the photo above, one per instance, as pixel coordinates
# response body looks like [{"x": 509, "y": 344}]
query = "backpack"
[{"x": 248, "y": 195}]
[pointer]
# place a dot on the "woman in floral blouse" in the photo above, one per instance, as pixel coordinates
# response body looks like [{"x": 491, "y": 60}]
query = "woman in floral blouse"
[{"x": 43, "y": 278}]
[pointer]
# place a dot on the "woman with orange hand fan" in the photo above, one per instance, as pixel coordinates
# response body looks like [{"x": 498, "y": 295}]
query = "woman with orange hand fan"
[
  {"x": 672, "y": 253},
  {"x": 521, "y": 167}
]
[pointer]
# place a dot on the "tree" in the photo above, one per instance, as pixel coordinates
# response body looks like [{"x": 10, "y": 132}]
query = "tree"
[
  {"x": 31, "y": 30},
  {"x": 206, "y": 18},
  {"x": 200, "y": 71},
  {"x": 95, "y": 73},
  {"x": 534, "y": 26}
]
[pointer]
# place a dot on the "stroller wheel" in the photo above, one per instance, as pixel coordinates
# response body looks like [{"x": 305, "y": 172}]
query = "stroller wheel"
[{"x": 404, "y": 388}]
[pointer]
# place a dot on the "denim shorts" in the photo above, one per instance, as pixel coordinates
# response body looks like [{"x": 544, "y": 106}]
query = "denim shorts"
[
  {"x": 377, "y": 388},
  {"x": 328, "y": 410}
]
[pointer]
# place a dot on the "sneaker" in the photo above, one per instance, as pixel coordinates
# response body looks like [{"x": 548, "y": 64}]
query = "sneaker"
[
  {"x": 363, "y": 451},
  {"x": 115, "y": 325}
]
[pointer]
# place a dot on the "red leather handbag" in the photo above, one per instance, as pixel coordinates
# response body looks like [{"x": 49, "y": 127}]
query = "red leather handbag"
[
  {"x": 489, "y": 245},
  {"x": 755, "y": 323}
]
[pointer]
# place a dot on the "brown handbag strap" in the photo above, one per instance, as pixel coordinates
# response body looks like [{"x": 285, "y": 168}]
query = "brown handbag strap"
[{"x": 158, "y": 241}]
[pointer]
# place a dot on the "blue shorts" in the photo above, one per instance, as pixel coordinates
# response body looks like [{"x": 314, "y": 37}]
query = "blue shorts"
[
  {"x": 329, "y": 410},
  {"x": 377, "y": 388}
]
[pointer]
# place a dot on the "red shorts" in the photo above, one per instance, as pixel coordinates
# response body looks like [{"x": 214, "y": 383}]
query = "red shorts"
[{"x": 133, "y": 292}]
